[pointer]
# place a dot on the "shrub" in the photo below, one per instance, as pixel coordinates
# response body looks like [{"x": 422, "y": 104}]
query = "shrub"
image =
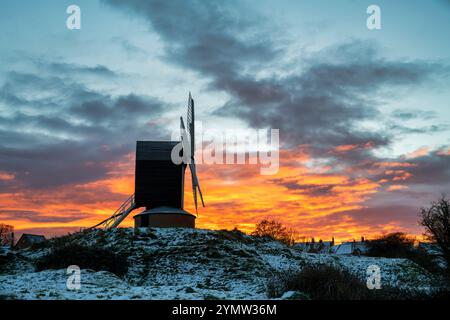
[
  {"x": 274, "y": 230},
  {"x": 85, "y": 257},
  {"x": 399, "y": 245},
  {"x": 4, "y": 261},
  {"x": 325, "y": 282},
  {"x": 392, "y": 245},
  {"x": 425, "y": 260}
]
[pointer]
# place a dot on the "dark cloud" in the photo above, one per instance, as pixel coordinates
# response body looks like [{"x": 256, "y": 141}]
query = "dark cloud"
[
  {"x": 431, "y": 169},
  {"x": 72, "y": 69},
  {"x": 315, "y": 190},
  {"x": 58, "y": 132},
  {"x": 35, "y": 216},
  {"x": 122, "y": 109},
  {"x": 60, "y": 163},
  {"x": 381, "y": 215},
  {"x": 209, "y": 37},
  {"x": 371, "y": 219},
  {"x": 413, "y": 114},
  {"x": 321, "y": 105},
  {"x": 400, "y": 129}
]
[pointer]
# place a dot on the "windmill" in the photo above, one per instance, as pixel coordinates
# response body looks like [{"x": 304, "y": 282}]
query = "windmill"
[{"x": 159, "y": 182}]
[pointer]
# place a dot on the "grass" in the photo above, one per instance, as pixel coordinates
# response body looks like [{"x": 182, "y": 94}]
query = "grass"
[{"x": 234, "y": 235}]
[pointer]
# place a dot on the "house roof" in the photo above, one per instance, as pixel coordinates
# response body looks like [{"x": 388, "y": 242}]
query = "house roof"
[
  {"x": 349, "y": 247},
  {"x": 32, "y": 238},
  {"x": 322, "y": 246},
  {"x": 344, "y": 248}
]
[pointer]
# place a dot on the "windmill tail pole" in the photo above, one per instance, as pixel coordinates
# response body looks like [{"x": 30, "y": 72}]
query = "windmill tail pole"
[
  {"x": 119, "y": 215},
  {"x": 122, "y": 217}
]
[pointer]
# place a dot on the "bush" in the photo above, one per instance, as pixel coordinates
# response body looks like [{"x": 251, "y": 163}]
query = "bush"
[
  {"x": 4, "y": 261},
  {"x": 399, "y": 245},
  {"x": 325, "y": 282},
  {"x": 425, "y": 260},
  {"x": 85, "y": 257},
  {"x": 274, "y": 230},
  {"x": 393, "y": 245}
]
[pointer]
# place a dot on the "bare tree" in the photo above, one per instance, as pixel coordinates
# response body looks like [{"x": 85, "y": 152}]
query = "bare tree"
[
  {"x": 275, "y": 230},
  {"x": 436, "y": 220},
  {"x": 6, "y": 234}
]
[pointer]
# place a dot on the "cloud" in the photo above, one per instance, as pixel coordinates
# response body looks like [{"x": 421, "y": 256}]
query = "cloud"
[
  {"x": 56, "y": 132},
  {"x": 318, "y": 105},
  {"x": 323, "y": 104},
  {"x": 312, "y": 190},
  {"x": 431, "y": 169},
  {"x": 74, "y": 69},
  {"x": 413, "y": 114},
  {"x": 34, "y": 216},
  {"x": 368, "y": 221}
]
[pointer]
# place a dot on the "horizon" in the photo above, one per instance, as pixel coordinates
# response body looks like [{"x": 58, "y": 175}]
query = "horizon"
[{"x": 363, "y": 115}]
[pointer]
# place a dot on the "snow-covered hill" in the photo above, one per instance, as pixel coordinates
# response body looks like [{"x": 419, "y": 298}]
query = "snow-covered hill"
[{"x": 179, "y": 263}]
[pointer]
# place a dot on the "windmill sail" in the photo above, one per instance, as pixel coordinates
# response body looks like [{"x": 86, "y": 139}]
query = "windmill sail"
[
  {"x": 191, "y": 132},
  {"x": 190, "y": 124}
]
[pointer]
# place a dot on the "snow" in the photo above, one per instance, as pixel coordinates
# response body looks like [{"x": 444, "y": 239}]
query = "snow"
[
  {"x": 288, "y": 295},
  {"x": 177, "y": 263}
]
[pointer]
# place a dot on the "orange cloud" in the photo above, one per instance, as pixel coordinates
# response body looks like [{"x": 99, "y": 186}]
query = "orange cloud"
[
  {"x": 301, "y": 197},
  {"x": 423, "y": 151},
  {"x": 347, "y": 147},
  {"x": 396, "y": 187},
  {"x": 395, "y": 164},
  {"x": 6, "y": 176}
]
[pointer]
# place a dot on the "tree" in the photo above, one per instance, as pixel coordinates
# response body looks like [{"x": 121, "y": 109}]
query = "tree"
[
  {"x": 6, "y": 234},
  {"x": 392, "y": 245},
  {"x": 274, "y": 230},
  {"x": 436, "y": 220}
]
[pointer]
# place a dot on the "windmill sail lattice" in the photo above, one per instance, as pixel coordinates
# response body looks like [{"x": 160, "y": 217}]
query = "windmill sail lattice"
[{"x": 191, "y": 131}]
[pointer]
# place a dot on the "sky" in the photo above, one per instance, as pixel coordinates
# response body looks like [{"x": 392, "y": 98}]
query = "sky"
[{"x": 363, "y": 115}]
